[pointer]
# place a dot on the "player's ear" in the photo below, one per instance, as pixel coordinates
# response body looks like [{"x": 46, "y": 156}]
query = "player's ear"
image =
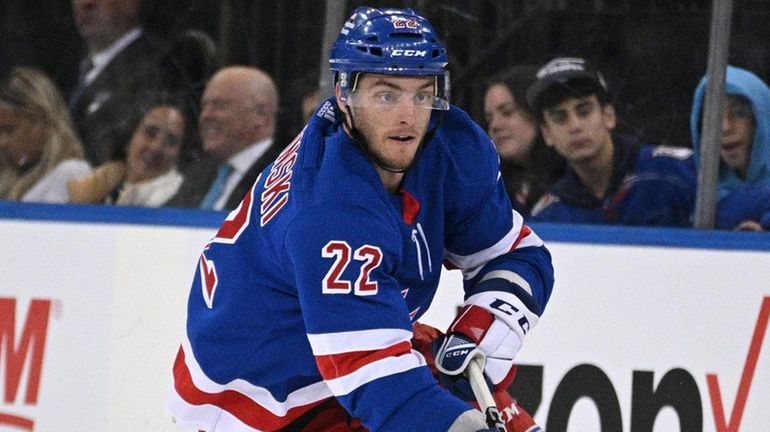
[
  {"x": 343, "y": 108},
  {"x": 340, "y": 98}
]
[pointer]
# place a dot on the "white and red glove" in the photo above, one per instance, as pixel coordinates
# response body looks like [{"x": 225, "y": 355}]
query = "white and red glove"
[{"x": 491, "y": 325}]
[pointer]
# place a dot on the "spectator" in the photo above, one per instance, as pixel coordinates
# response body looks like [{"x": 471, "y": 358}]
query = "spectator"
[
  {"x": 189, "y": 61},
  {"x": 610, "y": 178},
  {"x": 527, "y": 165},
  {"x": 743, "y": 191},
  {"x": 236, "y": 123},
  {"x": 39, "y": 148},
  {"x": 121, "y": 63},
  {"x": 148, "y": 176}
]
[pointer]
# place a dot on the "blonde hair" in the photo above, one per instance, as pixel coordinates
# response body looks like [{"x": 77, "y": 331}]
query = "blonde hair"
[{"x": 31, "y": 93}]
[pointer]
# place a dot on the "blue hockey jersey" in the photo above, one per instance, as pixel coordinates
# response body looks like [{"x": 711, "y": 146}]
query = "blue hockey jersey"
[
  {"x": 310, "y": 288},
  {"x": 649, "y": 186}
]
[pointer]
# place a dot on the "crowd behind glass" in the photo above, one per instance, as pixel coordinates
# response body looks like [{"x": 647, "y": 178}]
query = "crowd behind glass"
[{"x": 156, "y": 123}]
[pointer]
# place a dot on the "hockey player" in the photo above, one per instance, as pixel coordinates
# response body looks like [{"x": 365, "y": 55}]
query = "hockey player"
[{"x": 301, "y": 312}]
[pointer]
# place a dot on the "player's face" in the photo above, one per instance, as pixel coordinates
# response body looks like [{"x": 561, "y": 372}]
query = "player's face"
[
  {"x": 579, "y": 128},
  {"x": 21, "y": 138},
  {"x": 511, "y": 128},
  {"x": 154, "y": 148},
  {"x": 738, "y": 125},
  {"x": 392, "y": 114}
]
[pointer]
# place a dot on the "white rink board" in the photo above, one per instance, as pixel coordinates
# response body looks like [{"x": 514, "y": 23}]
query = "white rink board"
[
  {"x": 117, "y": 296},
  {"x": 652, "y": 309},
  {"x": 120, "y": 291}
]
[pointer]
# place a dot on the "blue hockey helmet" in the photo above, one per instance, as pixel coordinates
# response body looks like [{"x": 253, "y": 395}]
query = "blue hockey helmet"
[{"x": 389, "y": 42}]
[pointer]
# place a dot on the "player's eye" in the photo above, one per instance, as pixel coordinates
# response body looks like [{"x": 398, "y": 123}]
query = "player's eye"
[
  {"x": 386, "y": 97},
  {"x": 423, "y": 99}
]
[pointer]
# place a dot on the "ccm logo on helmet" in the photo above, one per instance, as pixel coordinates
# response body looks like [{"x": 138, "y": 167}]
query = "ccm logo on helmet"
[{"x": 409, "y": 53}]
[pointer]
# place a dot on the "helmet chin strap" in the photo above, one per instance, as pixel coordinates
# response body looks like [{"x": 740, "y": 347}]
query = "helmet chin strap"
[{"x": 363, "y": 143}]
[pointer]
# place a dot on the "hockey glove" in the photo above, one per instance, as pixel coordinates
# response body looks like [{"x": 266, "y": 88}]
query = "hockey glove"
[{"x": 491, "y": 325}]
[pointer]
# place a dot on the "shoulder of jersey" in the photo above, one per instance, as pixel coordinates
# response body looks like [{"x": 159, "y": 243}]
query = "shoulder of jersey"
[{"x": 464, "y": 138}]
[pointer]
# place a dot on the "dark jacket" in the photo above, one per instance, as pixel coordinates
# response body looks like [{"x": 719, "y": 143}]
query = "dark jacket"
[
  {"x": 649, "y": 186},
  {"x": 101, "y": 110},
  {"x": 201, "y": 173}
]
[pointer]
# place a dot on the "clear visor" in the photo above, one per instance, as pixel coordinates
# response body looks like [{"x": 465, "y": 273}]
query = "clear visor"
[
  {"x": 390, "y": 99},
  {"x": 386, "y": 99}
]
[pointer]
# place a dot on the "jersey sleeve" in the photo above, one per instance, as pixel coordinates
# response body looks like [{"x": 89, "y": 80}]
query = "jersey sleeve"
[
  {"x": 357, "y": 321},
  {"x": 486, "y": 238}
]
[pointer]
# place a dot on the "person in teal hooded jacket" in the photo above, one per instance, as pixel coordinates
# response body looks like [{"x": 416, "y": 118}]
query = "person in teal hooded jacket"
[{"x": 743, "y": 190}]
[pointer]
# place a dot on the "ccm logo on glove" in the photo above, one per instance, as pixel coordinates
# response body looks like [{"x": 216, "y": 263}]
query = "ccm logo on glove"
[{"x": 513, "y": 311}]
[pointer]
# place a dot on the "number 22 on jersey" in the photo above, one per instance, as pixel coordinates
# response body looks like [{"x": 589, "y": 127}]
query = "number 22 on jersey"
[{"x": 342, "y": 253}]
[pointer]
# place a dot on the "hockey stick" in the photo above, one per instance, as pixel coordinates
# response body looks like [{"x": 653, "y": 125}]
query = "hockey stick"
[{"x": 475, "y": 374}]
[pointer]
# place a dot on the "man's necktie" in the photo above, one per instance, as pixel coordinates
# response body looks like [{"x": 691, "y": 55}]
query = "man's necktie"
[{"x": 217, "y": 186}]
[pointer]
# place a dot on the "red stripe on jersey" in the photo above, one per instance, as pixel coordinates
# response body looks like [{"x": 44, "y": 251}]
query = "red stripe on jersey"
[
  {"x": 237, "y": 404},
  {"x": 410, "y": 207},
  {"x": 523, "y": 232},
  {"x": 337, "y": 365}
]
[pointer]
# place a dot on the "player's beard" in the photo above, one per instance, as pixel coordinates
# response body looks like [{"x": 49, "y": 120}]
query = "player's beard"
[
  {"x": 391, "y": 164},
  {"x": 358, "y": 130}
]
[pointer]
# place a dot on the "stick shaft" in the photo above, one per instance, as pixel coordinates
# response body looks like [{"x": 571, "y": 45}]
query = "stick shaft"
[{"x": 475, "y": 375}]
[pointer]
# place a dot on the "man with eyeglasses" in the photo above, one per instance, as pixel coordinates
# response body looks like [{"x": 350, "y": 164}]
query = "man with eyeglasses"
[
  {"x": 611, "y": 178},
  {"x": 743, "y": 189},
  {"x": 236, "y": 123},
  {"x": 303, "y": 312}
]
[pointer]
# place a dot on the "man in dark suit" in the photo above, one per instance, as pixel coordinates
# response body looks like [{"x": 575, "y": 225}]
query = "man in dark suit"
[
  {"x": 121, "y": 65},
  {"x": 237, "y": 123}
]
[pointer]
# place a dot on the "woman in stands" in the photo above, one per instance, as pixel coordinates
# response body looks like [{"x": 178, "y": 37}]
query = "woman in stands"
[{"x": 39, "y": 148}]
